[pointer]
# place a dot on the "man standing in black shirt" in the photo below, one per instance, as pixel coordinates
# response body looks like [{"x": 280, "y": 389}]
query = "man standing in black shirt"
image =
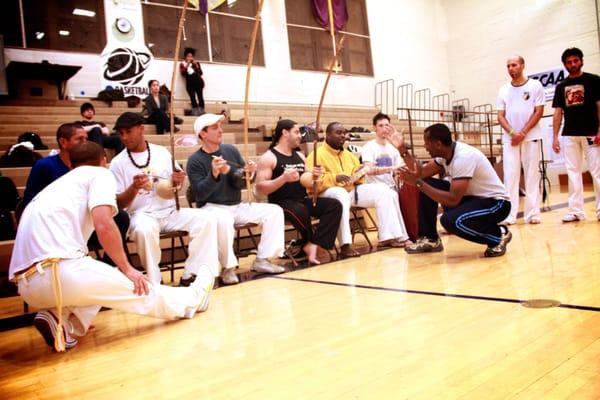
[
  {"x": 578, "y": 99},
  {"x": 278, "y": 176}
]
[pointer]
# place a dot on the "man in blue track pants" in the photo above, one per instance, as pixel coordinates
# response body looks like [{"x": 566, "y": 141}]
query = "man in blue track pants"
[{"x": 474, "y": 199}]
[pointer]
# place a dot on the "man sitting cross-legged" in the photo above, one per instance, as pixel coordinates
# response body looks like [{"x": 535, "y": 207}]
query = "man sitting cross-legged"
[
  {"x": 278, "y": 176},
  {"x": 50, "y": 264}
]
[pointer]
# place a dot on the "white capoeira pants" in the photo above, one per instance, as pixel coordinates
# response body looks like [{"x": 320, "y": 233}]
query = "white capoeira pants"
[
  {"x": 528, "y": 155},
  {"x": 268, "y": 216},
  {"x": 576, "y": 148},
  {"x": 376, "y": 195},
  {"x": 88, "y": 284},
  {"x": 144, "y": 230}
]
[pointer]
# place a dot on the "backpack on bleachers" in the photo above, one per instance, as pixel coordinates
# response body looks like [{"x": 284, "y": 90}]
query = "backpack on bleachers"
[
  {"x": 34, "y": 139},
  {"x": 19, "y": 155},
  {"x": 8, "y": 202}
]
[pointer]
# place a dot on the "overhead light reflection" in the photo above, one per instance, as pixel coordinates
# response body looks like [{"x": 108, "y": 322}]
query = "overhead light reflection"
[{"x": 84, "y": 13}]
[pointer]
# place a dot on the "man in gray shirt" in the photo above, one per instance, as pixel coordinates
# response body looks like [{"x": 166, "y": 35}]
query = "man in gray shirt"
[{"x": 216, "y": 174}]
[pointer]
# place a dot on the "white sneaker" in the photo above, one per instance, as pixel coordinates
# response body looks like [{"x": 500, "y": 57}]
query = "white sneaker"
[
  {"x": 203, "y": 293},
  {"x": 229, "y": 277},
  {"x": 570, "y": 218},
  {"x": 263, "y": 265}
]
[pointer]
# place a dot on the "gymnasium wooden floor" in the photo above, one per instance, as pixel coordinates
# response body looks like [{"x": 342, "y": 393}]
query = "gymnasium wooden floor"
[{"x": 384, "y": 326}]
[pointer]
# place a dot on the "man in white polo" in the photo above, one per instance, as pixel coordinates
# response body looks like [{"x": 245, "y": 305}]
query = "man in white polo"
[
  {"x": 54, "y": 273},
  {"x": 520, "y": 107}
]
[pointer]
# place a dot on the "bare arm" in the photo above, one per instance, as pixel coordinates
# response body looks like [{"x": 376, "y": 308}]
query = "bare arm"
[
  {"x": 597, "y": 138},
  {"x": 266, "y": 164},
  {"x": 556, "y": 121},
  {"x": 458, "y": 187},
  {"x": 110, "y": 239},
  {"x": 125, "y": 198},
  {"x": 503, "y": 121},
  {"x": 429, "y": 169},
  {"x": 533, "y": 119}
]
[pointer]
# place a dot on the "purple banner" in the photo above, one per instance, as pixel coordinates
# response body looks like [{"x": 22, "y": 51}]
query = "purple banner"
[{"x": 321, "y": 14}]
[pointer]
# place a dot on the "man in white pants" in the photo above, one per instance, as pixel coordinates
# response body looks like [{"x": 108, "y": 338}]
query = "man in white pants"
[
  {"x": 54, "y": 274},
  {"x": 342, "y": 180},
  {"x": 216, "y": 173},
  {"x": 138, "y": 170},
  {"x": 520, "y": 106},
  {"x": 578, "y": 98}
]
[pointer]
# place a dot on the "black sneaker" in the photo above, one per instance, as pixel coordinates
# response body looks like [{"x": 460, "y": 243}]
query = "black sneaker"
[
  {"x": 495, "y": 251},
  {"x": 425, "y": 245},
  {"x": 46, "y": 323},
  {"x": 185, "y": 282},
  {"x": 500, "y": 249},
  {"x": 506, "y": 234}
]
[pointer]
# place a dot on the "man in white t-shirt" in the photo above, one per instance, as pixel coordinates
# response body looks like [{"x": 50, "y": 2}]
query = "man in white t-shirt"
[
  {"x": 380, "y": 155},
  {"x": 54, "y": 273},
  {"x": 139, "y": 170},
  {"x": 474, "y": 199},
  {"x": 520, "y": 106}
]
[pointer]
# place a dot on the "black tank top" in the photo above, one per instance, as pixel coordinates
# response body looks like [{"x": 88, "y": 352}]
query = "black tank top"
[{"x": 290, "y": 190}]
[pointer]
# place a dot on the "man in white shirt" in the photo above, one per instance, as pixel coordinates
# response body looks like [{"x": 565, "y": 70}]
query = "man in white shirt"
[
  {"x": 380, "y": 155},
  {"x": 138, "y": 170},
  {"x": 474, "y": 199},
  {"x": 54, "y": 273},
  {"x": 520, "y": 106}
]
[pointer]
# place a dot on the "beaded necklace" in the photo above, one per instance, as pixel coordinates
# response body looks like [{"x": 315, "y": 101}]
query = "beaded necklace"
[{"x": 147, "y": 161}]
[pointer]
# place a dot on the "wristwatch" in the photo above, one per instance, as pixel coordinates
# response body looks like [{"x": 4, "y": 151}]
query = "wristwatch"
[{"x": 419, "y": 183}]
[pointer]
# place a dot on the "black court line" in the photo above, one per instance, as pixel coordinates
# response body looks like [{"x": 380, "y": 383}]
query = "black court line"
[
  {"x": 428, "y": 293},
  {"x": 24, "y": 320},
  {"x": 556, "y": 207}
]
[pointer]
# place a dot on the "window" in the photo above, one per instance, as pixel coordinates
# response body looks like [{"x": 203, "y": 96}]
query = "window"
[
  {"x": 71, "y": 25},
  {"x": 54, "y": 25},
  {"x": 228, "y": 30},
  {"x": 10, "y": 23},
  {"x": 311, "y": 47},
  {"x": 160, "y": 25}
]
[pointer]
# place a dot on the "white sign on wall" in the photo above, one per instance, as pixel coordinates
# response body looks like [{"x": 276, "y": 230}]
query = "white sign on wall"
[
  {"x": 549, "y": 80},
  {"x": 126, "y": 59}
]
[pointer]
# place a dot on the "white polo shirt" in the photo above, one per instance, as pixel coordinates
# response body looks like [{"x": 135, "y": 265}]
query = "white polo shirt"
[
  {"x": 469, "y": 163},
  {"x": 58, "y": 221},
  {"x": 519, "y": 103}
]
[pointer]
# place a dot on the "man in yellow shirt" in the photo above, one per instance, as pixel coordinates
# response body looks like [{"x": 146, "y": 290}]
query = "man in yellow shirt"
[{"x": 342, "y": 179}]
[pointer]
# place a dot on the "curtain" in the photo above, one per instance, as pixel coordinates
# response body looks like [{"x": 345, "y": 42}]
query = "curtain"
[{"x": 321, "y": 14}]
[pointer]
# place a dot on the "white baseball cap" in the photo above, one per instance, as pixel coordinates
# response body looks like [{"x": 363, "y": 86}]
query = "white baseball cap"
[{"x": 206, "y": 120}]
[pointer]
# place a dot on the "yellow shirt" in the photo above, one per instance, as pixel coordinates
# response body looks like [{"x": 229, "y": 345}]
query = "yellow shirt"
[{"x": 333, "y": 162}]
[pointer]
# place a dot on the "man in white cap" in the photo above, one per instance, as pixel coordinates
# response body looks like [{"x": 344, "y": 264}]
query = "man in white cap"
[
  {"x": 138, "y": 171},
  {"x": 216, "y": 172},
  {"x": 54, "y": 273}
]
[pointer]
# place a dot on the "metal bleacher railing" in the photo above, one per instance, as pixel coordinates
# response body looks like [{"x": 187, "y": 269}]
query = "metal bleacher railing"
[{"x": 418, "y": 109}]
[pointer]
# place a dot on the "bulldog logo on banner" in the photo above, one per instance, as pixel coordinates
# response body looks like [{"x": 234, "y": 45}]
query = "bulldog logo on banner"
[
  {"x": 125, "y": 66},
  {"x": 126, "y": 60}
]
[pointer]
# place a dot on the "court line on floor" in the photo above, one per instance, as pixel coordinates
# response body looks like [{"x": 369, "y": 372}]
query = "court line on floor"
[
  {"x": 429, "y": 293},
  {"x": 557, "y": 206},
  {"x": 24, "y": 320}
]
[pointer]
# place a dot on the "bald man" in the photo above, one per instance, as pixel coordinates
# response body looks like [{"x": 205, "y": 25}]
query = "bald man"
[{"x": 520, "y": 107}]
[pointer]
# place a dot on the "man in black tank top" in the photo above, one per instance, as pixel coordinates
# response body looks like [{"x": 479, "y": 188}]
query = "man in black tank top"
[{"x": 278, "y": 176}]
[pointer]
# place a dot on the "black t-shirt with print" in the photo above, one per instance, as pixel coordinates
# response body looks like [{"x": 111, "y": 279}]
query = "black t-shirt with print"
[{"x": 577, "y": 97}]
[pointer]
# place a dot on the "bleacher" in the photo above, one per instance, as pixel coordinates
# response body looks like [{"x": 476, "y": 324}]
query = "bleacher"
[{"x": 44, "y": 117}]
